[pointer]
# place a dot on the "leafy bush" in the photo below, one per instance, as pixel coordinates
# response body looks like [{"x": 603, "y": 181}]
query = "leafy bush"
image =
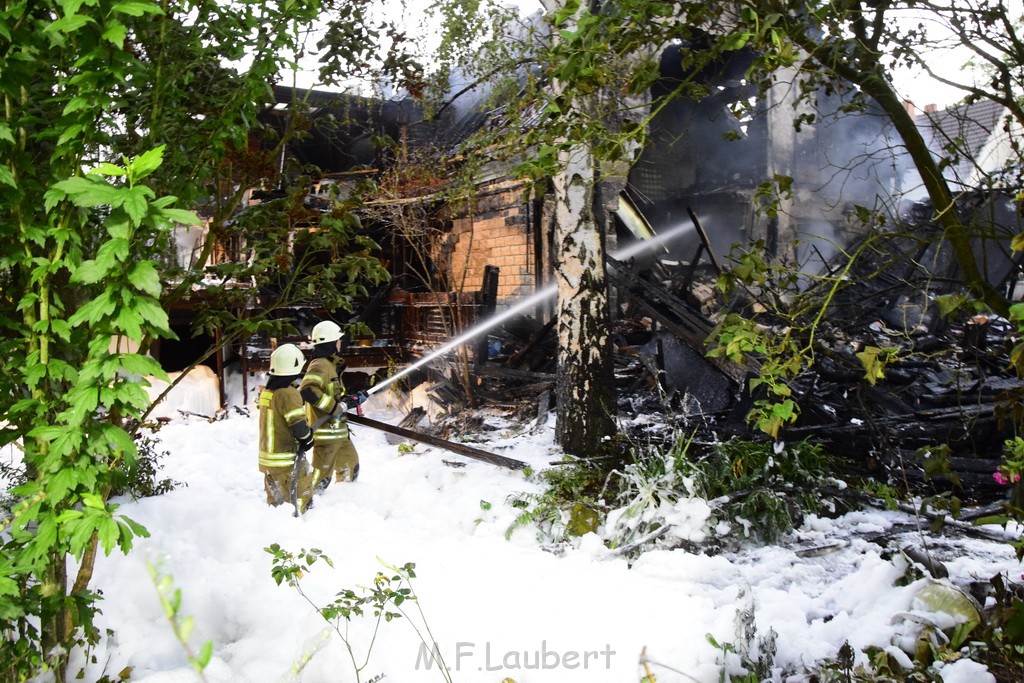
[
  {"x": 759, "y": 487},
  {"x": 568, "y": 507}
]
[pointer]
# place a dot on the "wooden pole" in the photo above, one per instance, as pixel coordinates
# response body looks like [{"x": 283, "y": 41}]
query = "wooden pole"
[{"x": 461, "y": 449}]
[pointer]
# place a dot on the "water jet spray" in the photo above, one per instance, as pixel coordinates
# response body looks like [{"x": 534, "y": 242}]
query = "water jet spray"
[{"x": 540, "y": 296}]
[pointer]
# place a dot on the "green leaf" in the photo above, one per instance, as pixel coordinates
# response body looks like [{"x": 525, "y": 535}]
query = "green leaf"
[
  {"x": 205, "y": 653},
  {"x": 736, "y": 41},
  {"x": 94, "y": 501},
  {"x": 6, "y": 177},
  {"x": 153, "y": 313},
  {"x": 949, "y": 303},
  {"x": 137, "y": 364},
  {"x": 182, "y": 216},
  {"x": 144, "y": 164},
  {"x": 137, "y": 8},
  {"x": 115, "y": 33},
  {"x": 33, "y": 373},
  {"x": 5, "y": 133},
  {"x": 94, "y": 311},
  {"x": 81, "y": 534},
  {"x": 874, "y": 360},
  {"x": 88, "y": 192},
  {"x": 52, "y": 197},
  {"x": 130, "y": 322},
  {"x": 89, "y": 272},
  {"x": 70, "y": 133},
  {"x": 109, "y": 170},
  {"x": 144, "y": 277},
  {"x": 136, "y": 204},
  {"x": 69, "y": 24},
  {"x": 108, "y": 534},
  {"x": 1017, "y": 243}
]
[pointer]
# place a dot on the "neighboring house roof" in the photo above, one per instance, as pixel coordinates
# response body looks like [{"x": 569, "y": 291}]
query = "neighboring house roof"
[{"x": 974, "y": 132}]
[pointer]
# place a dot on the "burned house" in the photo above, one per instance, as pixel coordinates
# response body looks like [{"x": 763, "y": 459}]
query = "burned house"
[{"x": 696, "y": 191}]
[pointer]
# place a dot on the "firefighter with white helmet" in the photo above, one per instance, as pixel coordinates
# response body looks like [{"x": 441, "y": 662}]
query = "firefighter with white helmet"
[
  {"x": 284, "y": 431},
  {"x": 334, "y": 455}
]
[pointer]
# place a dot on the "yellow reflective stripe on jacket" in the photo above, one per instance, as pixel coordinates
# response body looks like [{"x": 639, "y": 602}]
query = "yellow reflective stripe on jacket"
[
  {"x": 320, "y": 379},
  {"x": 277, "y": 459},
  {"x": 292, "y": 414},
  {"x": 265, "y": 396},
  {"x": 331, "y": 433}
]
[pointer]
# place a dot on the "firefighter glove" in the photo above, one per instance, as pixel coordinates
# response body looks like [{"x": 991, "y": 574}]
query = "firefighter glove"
[
  {"x": 356, "y": 399},
  {"x": 306, "y": 442}
]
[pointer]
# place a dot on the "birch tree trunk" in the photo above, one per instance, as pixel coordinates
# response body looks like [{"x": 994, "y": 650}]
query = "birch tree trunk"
[{"x": 585, "y": 387}]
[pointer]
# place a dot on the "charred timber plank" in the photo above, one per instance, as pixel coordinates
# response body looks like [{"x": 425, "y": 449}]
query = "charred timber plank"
[
  {"x": 675, "y": 315},
  {"x": 537, "y": 337},
  {"x": 512, "y": 373},
  {"x": 459, "y": 448},
  {"x": 706, "y": 241},
  {"x": 902, "y": 421}
]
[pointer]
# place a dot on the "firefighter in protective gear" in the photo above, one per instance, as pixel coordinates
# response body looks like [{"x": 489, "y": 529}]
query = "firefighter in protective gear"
[
  {"x": 284, "y": 432},
  {"x": 334, "y": 455}
]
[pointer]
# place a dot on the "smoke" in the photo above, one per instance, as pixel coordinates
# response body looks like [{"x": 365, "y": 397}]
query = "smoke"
[{"x": 712, "y": 155}]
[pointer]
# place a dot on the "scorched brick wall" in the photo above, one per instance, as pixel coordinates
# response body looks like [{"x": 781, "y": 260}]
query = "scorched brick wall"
[{"x": 496, "y": 234}]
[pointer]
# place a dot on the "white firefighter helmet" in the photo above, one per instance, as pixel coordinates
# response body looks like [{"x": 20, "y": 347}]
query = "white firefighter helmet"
[
  {"x": 325, "y": 331},
  {"x": 286, "y": 360}
]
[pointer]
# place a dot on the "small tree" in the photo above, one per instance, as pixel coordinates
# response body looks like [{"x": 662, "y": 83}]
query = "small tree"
[{"x": 109, "y": 110}]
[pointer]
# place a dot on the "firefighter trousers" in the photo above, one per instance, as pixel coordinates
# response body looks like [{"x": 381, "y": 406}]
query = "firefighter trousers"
[
  {"x": 278, "y": 481},
  {"x": 337, "y": 459}
]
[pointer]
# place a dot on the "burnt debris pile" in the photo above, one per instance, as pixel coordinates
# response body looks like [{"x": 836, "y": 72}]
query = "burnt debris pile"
[{"x": 902, "y": 376}]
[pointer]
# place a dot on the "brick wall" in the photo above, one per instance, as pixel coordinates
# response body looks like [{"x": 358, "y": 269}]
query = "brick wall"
[{"x": 496, "y": 233}]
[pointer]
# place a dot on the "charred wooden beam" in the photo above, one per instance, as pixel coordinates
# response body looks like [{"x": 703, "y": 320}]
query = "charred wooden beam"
[
  {"x": 512, "y": 373},
  {"x": 535, "y": 339},
  {"x": 705, "y": 241},
  {"x": 461, "y": 449}
]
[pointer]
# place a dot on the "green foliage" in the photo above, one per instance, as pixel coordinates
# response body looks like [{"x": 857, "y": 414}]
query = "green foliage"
[
  {"x": 170, "y": 600},
  {"x": 565, "y": 508},
  {"x": 300, "y": 256},
  {"x": 994, "y": 638},
  {"x": 874, "y": 360},
  {"x": 116, "y": 115},
  {"x": 84, "y": 279},
  {"x": 889, "y": 496},
  {"x": 655, "y": 480},
  {"x": 776, "y": 332},
  {"x": 777, "y": 349},
  {"x": 752, "y": 490},
  {"x": 763, "y": 488},
  {"x": 1010, "y": 473},
  {"x": 386, "y": 600}
]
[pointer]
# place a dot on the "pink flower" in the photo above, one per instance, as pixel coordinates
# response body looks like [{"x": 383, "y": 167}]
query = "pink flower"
[{"x": 1002, "y": 479}]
